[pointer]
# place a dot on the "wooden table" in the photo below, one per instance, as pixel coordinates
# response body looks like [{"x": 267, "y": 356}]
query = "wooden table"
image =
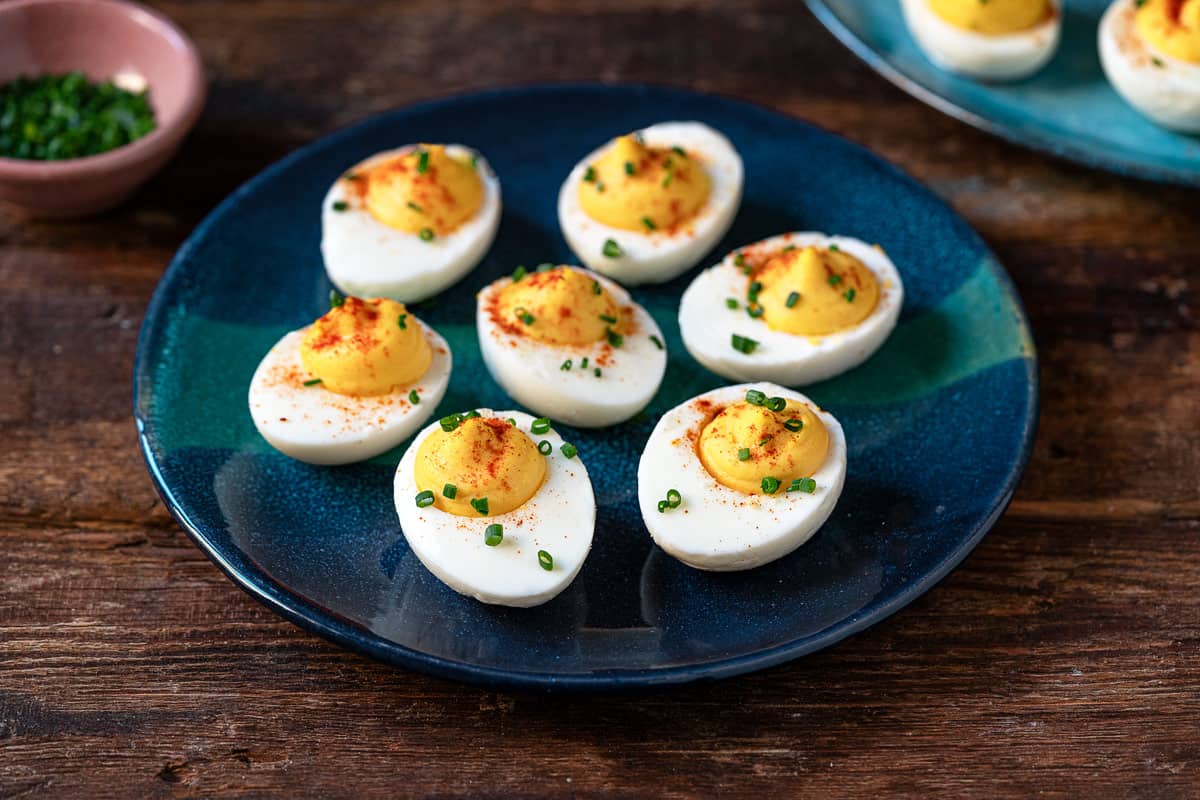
[{"x": 1062, "y": 659}]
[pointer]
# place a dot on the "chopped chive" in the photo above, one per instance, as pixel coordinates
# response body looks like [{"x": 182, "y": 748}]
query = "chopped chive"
[
  {"x": 511, "y": 422},
  {"x": 545, "y": 448},
  {"x": 730, "y": 303},
  {"x": 599, "y": 186},
  {"x": 667, "y": 180},
  {"x": 565, "y": 366},
  {"x": 545, "y": 560},
  {"x": 649, "y": 223},
  {"x": 776, "y": 404},
  {"x": 423, "y": 162},
  {"x": 792, "y": 299},
  {"x": 629, "y": 170},
  {"x": 471, "y": 414},
  {"x": 589, "y": 175},
  {"x": 609, "y": 319},
  {"x": 739, "y": 260},
  {"x": 763, "y": 441},
  {"x": 424, "y": 499},
  {"x": 611, "y": 249},
  {"x": 340, "y": 205},
  {"x": 414, "y": 398},
  {"x": 657, "y": 342},
  {"x": 615, "y": 339},
  {"x": 313, "y": 382},
  {"x": 415, "y": 207},
  {"x": 449, "y": 422},
  {"x": 806, "y": 485},
  {"x": 450, "y": 491},
  {"x": 662, "y": 506},
  {"x": 743, "y": 344},
  {"x": 569, "y": 450},
  {"x": 849, "y": 295},
  {"x": 596, "y": 372},
  {"x": 426, "y": 234},
  {"x": 518, "y": 273},
  {"x": 493, "y": 534},
  {"x": 835, "y": 279},
  {"x": 833, "y": 248},
  {"x": 744, "y": 454},
  {"x": 770, "y": 485},
  {"x": 583, "y": 363},
  {"x": 480, "y": 504},
  {"x": 679, "y": 151},
  {"x": 402, "y": 322},
  {"x": 475, "y": 161},
  {"x": 756, "y": 398},
  {"x": 754, "y": 311},
  {"x": 540, "y": 425},
  {"x": 755, "y": 288},
  {"x": 596, "y": 287},
  {"x": 789, "y": 248},
  {"x": 1158, "y": 62},
  {"x": 523, "y": 315},
  {"x": 336, "y": 298},
  {"x": 794, "y": 425},
  {"x": 674, "y": 498}
]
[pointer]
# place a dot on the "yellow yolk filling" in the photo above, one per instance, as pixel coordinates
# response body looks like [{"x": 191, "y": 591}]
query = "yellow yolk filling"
[
  {"x": 560, "y": 306},
  {"x": 359, "y": 348},
  {"x": 1172, "y": 27},
  {"x": 814, "y": 292},
  {"x": 424, "y": 189},
  {"x": 773, "y": 450},
  {"x": 639, "y": 188},
  {"x": 992, "y": 17},
  {"x": 481, "y": 458}
]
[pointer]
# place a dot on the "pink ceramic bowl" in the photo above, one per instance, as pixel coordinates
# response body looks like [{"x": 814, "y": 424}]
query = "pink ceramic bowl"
[{"x": 104, "y": 39}]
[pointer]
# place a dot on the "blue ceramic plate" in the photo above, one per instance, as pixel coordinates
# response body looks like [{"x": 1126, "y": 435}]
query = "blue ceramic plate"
[
  {"x": 939, "y": 422},
  {"x": 1068, "y": 109}
]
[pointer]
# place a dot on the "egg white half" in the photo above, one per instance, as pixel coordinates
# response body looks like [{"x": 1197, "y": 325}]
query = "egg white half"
[
  {"x": 366, "y": 258},
  {"x": 313, "y": 424},
  {"x": 1164, "y": 88},
  {"x": 531, "y": 370},
  {"x": 990, "y": 57},
  {"x": 708, "y": 326},
  {"x": 658, "y": 256},
  {"x": 560, "y": 519},
  {"x": 716, "y": 527}
]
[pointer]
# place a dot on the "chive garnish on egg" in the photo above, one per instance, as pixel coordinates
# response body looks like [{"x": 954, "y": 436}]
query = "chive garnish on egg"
[
  {"x": 569, "y": 450},
  {"x": 731, "y": 304},
  {"x": 565, "y": 366},
  {"x": 770, "y": 485},
  {"x": 649, "y": 223},
  {"x": 756, "y": 398},
  {"x": 493, "y": 534},
  {"x": 744, "y": 454},
  {"x": 340, "y": 205},
  {"x": 629, "y": 170},
  {"x": 426, "y": 234},
  {"x": 545, "y": 448},
  {"x": 480, "y": 504},
  {"x": 313, "y": 382},
  {"x": 414, "y": 398},
  {"x": 657, "y": 342},
  {"x": 611, "y": 249},
  {"x": 776, "y": 404},
  {"x": 519, "y": 273},
  {"x": 589, "y": 175},
  {"x": 423, "y": 162},
  {"x": 336, "y": 298},
  {"x": 743, "y": 344},
  {"x": 540, "y": 425},
  {"x": 402, "y": 321},
  {"x": 794, "y": 425},
  {"x": 545, "y": 560},
  {"x": 424, "y": 499},
  {"x": 415, "y": 207},
  {"x": 615, "y": 339},
  {"x": 792, "y": 299},
  {"x": 450, "y": 491}
]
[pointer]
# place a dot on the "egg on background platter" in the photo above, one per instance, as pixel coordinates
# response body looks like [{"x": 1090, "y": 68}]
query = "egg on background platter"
[
  {"x": 1151, "y": 54},
  {"x": 497, "y": 506},
  {"x": 407, "y": 223},
  {"x": 740, "y": 476},
  {"x": 649, "y": 205},
  {"x": 570, "y": 344},
  {"x": 355, "y": 383},
  {"x": 990, "y": 40},
  {"x": 793, "y": 309}
]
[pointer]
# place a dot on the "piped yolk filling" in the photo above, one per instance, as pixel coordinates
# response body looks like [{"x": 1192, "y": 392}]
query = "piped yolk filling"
[
  {"x": 1172, "y": 27},
  {"x": 424, "y": 189},
  {"x": 560, "y": 306},
  {"x": 745, "y": 443},
  {"x": 814, "y": 291},
  {"x": 993, "y": 17},
  {"x": 365, "y": 347},
  {"x": 482, "y": 459},
  {"x": 639, "y": 188}
]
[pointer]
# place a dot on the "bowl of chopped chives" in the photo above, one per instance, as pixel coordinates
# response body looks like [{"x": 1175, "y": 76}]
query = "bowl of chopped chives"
[{"x": 95, "y": 97}]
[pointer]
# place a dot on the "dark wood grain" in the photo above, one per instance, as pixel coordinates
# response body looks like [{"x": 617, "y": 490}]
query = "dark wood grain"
[{"x": 1061, "y": 660}]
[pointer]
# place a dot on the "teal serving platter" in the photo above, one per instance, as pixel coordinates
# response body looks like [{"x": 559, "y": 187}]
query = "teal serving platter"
[
  {"x": 939, "y": 422},
  {"x": 1067, "y": 109}
]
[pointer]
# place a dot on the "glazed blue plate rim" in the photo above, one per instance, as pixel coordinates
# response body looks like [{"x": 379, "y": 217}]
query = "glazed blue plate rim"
[
  {"x": 309, "y": 616},
  {"x": 1030, "y": 138}
]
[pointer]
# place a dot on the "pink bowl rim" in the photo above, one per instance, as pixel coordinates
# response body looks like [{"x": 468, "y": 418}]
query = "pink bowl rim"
[{"x": 163, "y": 136}]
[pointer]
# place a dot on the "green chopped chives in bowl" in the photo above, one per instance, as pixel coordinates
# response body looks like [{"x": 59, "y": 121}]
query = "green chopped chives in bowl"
[{"x": 57, "y": 117}]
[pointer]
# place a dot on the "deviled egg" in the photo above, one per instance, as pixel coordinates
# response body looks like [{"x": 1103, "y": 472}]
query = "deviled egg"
[
  {"x": 1151, "y": 54},
  {"x": 740, "y": 476},
  {"x": 407, "y": 223},
  {"x": 570, "y": 344},
  {"x": 648, "y": 205},
  {"x": 355, "y": 383},
  {"x": 793, "y": 309},
  {"x": 497, "y": 506},
  {"x": 987, "y": 39}
]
